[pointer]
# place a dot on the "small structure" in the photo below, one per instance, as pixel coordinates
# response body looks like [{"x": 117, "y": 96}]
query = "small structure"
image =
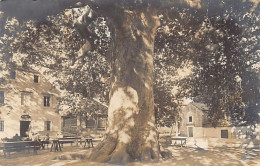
[
  {"x": 91, "y": 120},
  {"x": 192, "y": 119}
]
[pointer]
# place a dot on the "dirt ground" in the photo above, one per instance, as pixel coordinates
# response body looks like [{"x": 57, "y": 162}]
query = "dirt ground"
[{"x": 181, "y": 156}]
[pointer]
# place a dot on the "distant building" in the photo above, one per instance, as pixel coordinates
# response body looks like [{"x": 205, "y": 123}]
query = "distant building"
[
  {"x": 28, "y": 104},
  {"x": 192, "y": 118},
  {"x": 193, "y": 122}
]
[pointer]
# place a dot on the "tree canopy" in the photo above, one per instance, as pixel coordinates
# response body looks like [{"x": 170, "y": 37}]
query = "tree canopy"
[
  {"x": 120, "y": 51},
  {"x": 220, "y": 47}
]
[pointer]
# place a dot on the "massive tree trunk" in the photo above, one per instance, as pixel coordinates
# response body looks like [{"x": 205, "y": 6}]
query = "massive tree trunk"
[{"x": 131, "y": 133}]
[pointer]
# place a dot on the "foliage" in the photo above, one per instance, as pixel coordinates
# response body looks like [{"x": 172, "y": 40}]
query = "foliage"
[
  {"x": 226, "y": 54},
  {"x": 221, "y": 48},
  {"x": 211, "y": 54},
  {"x": 174, "y": 50},
  {"x": 54, "y": 47}
]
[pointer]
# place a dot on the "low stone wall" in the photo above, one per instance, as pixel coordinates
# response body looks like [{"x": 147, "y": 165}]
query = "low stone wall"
[
  {"x": 242, "y": 132},
  {"x": 220, "y": 142},
  {"x": 212, "y": 132}
]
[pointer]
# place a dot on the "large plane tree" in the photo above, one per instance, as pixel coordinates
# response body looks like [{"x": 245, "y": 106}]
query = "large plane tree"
[{"x": 131, "y": 133}]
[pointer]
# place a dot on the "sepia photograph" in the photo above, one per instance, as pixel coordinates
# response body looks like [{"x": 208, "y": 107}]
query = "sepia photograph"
[{"x": 129, "y": 82}]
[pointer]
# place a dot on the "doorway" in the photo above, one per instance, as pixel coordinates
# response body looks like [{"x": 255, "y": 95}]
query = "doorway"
[
  {"x": 24, "y": 128},
  {"x": 190, "y": 131}
]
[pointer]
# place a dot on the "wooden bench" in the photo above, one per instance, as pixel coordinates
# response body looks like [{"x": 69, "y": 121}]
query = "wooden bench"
[
  {"x": 70, "y": 140},
  {"x": 35, "y": 145},
  {"x": 20, "y": 146}
]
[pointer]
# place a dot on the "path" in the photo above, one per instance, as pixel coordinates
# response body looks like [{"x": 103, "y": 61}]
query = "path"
[{"x": 224, "y": 156}]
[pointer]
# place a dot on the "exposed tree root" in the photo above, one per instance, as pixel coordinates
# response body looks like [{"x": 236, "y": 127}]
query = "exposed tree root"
[{"x": 115, "y": 152}]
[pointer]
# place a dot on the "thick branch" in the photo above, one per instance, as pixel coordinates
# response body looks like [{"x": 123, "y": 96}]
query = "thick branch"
[{"x": 39, "y": 9}]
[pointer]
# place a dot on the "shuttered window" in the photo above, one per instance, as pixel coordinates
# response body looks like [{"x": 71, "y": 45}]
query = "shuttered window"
[
  {"x": 101, "y": 123},
  {"x": 46, "y": 101},
  {"x": 36, "y": 79},
  {"x": 1, "y": 125},
  {"x": 90, "y": 123},
  {"x": 47, "y": 125},
  {"x": 12, "y": 75},
  {"x": 74, "y": 122},
  {"x": 69, "y": 121},
  {"x": 2, "y": 97}
]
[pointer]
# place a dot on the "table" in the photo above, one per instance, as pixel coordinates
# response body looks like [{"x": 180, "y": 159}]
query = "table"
[
  {"x": 43, "y": 143},
  {"x": 70, "y": 140},
  {"x": 181, "y": 139},
  {"x": 55, "y": 145}
]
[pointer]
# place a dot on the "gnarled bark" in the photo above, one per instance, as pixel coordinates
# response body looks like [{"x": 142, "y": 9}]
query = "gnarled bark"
[{"x": 131, "y": 133}]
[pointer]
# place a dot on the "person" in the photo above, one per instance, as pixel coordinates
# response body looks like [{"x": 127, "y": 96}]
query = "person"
[
  {"x": 17, "y": 137},
  {"x": 45, "y": 141},
  {"x": 35, "y": 137},
  {"x": 47, "y": 138},
  {"x": 59, "y": 135},
  {"x": 29, "y": 132}
]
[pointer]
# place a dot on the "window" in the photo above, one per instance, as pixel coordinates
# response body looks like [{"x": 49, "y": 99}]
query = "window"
[
  {"x": 101, "y": 123},
  {"x": 46, "y": 101},
  {"x": 1, "y": 125},
  {"x": 47, "y": 125},
  {"x": 22, "y": 98},
  {"x": 190, "y": 118},
  {"x": 25, "y": 98},
  {"x": 12, "y": 74},
  {"x": 2, "y": 97},
  {"x": 224, "y": 133},
  {"x": 2, "y": 81},
  {"x": 90, "y": 123},
  {"x": 36, "y": 78},
  {"x": 74, "y": 121},
  {"x": 69, "y": 121}
]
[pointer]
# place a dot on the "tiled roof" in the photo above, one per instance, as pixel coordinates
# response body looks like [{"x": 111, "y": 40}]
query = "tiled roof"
[{"x": 200, "y": 106}]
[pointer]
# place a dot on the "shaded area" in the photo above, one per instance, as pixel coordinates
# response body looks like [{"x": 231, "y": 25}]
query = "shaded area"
[{"x": 181, "y": 156}]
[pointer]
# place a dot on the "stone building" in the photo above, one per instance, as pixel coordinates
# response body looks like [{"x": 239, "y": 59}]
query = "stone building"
[
  {"x": 192, "y": 118},
  {"x": 194, "y": 123},
  {"x": 28, "y": 104}
]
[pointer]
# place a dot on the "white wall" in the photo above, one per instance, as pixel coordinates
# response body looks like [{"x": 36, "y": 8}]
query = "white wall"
[
  {"x": 212, "y": 132},
  {"x": 12, "y": 110}
]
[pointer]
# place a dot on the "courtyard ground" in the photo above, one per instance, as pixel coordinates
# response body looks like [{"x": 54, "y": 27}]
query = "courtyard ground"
[{"x": 181, "y": 156}]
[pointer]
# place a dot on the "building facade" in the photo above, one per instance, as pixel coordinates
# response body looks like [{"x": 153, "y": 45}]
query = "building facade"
[
  {"x": 191, "y": 120},
  {"x": 194, "y": 123},
  {"x": 28, "y": 105}
]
